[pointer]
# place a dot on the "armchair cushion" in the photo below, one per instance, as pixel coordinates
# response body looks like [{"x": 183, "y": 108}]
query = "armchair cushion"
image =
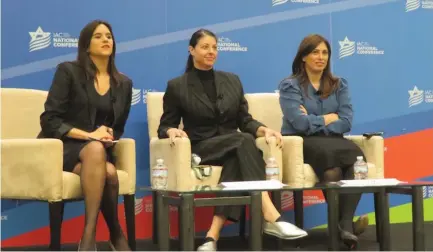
[
  {"x": 124, "y": 152},
  {"x": 72, "y": 185}
]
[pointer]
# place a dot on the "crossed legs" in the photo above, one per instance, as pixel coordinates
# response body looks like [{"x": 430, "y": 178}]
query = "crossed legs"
[{"x": 100, "y": 186}]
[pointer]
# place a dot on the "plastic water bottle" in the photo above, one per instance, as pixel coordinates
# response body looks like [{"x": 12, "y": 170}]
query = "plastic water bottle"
[
  {"x": 360, "y": 168},
  {"x": 159, "y": 175},
  {"x": 272, "y": 169}
]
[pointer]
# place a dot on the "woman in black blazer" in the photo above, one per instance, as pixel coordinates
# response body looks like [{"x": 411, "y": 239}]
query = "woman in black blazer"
[
  {"x": 212, "y": 107},
  {"x": 87, "y": 108}
]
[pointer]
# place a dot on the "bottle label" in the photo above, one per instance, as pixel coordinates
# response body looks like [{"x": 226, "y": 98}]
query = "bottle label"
[
  {"x": 159, "y": 172},
  {"x": 272, "y": 171}
]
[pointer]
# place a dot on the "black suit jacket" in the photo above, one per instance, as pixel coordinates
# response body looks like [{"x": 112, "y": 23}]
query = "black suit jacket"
[
  {"x": 185, "y": 98},
  {"x": 68, "y": 106}
]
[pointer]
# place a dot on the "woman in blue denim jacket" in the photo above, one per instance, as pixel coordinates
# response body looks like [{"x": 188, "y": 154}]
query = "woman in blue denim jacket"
[{"x": 316, "y": 105}]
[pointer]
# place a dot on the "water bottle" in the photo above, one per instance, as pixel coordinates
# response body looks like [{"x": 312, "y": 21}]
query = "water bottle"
[
  {"x": 360, "y": 168},
  {"x": 272, "y": 170},
  {"x": 159, "y": 175}
]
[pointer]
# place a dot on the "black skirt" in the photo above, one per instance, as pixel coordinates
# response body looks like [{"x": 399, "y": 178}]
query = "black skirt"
[
  {"x": 325, "y": 152},
  {"x": 71, "y": 153}
]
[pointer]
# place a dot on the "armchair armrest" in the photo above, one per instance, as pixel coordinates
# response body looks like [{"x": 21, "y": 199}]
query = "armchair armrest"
[
  {"x": 124, "y": 151},
  {"x": 293, "y": 160},
  {"x": 32, "y": 169},
  {"x": 271, "y": 150},
  {"x": 373, "y": 149},
  {"x": 177, "y": 158}
]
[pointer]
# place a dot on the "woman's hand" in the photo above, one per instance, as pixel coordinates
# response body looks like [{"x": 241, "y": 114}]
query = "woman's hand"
[
  {"x": 330, "y": 118},
  {"x": 268, "y": 133},
  {"x": 172, "y": 133},
  {"x": 103, "y": 134},
  {"x": 303, "y": 110}
]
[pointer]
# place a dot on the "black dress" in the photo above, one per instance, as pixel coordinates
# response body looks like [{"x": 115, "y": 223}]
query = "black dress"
[
  {"x": 104, "y": 116},
  {"x": 323, "y": 152}
]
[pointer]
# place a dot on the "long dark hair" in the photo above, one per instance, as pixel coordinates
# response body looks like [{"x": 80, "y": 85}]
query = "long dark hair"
[
  {"x": 196, "y": 36},
  {"x": 83, "y": 57},
  {"x": 329, "y": 83}
]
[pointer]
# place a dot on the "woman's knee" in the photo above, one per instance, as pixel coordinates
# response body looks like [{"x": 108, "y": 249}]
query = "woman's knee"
[
  {"x": 247, "y": 137},
  {"x": 93, "y": 151},
  {"x": 333, "y": 174},
  {"x": 111, "y": 176}
]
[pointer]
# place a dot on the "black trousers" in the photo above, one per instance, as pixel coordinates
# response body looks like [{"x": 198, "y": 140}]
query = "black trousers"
[{"x": 240, "y": 158}]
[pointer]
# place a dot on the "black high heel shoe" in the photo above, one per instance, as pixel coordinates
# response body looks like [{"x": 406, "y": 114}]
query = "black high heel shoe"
[{"x": 349, "y": 239}]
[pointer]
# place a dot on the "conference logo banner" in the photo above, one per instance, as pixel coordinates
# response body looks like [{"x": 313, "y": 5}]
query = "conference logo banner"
[
  {"x": 139, "y": 96},
  {"x": 227, "y": 45},
  {"x": 350, "y": 48},
  {"x": 40, "y": 39},
  {"x": 427, "y": 192},
  {"x": 418, "y": 96},
  {"x": 280, "y": 2},
  {"x": 412, "y": 5}
]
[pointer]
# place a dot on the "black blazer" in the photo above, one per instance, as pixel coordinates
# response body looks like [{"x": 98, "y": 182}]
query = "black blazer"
[
  {"x": 185, "y": 98},
  {"x": 68, "y": 106}
]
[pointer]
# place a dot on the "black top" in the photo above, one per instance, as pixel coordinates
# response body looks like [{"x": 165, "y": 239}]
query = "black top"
[
  {"x": 185, "y": 98},
  {"x": 69, "y": 104},
  {"x": 207, "y": 79},
  {"x": 104, "y": 107}
]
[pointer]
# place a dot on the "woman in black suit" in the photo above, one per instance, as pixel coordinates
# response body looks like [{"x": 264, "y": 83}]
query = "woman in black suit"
[
  {"x": 87, "y": 108},
  {"x": 212, "y": 106}
]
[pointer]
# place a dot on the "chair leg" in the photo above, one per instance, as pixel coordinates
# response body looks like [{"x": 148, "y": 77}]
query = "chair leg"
[
  {"x": 243, "y": 222},
  {"x": 154, "y": 219},
  {"x": 56, "y": 218},
  {"x": 129, "y": 203},
  {"x": 376, "y": 215},
  {"x": 298, "y": 197}
]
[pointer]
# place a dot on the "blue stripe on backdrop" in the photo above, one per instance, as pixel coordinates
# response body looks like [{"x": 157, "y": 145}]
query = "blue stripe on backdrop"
[{"x": 171, "y": 37}]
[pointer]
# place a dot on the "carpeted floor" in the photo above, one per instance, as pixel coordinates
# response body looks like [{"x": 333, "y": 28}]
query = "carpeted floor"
[{"x": 401, "y": 240}]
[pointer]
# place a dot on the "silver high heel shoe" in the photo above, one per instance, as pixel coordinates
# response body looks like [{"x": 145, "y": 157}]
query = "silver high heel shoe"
[
  {"x": 208, "y": 246},
  {"x": 284, "y": 230}
]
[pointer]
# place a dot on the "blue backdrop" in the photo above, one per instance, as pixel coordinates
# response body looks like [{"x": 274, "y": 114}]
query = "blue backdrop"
[{"x": 382, "y": 47}]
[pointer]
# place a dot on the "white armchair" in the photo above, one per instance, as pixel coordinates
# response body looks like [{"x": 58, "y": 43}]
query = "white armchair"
[
  {"x": 266, "y": 108},
  {"x": 178, "y": 157},
  {"x": 31, "y": 169}
]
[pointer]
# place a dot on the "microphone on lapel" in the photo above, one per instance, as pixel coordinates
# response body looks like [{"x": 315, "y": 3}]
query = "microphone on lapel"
[{"x": 220, "y": 97}]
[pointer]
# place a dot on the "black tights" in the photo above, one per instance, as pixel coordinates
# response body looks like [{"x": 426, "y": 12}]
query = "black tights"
[
  {"x": 348, "y": 202},
  {"x": 100, "y": 186}
]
